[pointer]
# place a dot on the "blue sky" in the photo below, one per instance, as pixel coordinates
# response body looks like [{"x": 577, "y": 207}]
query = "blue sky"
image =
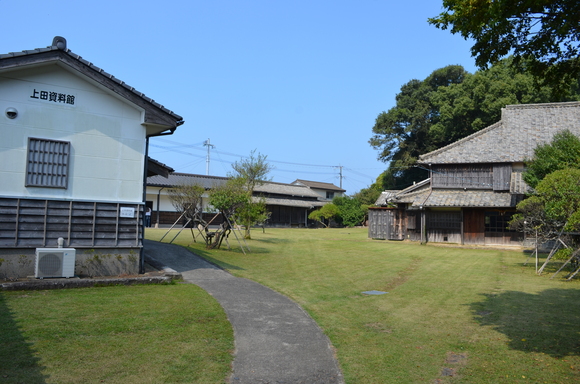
[{"x": 298, "y": 81}]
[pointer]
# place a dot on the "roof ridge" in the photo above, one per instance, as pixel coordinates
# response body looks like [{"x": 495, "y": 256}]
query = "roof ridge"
[{"x": 564, "y": 104}]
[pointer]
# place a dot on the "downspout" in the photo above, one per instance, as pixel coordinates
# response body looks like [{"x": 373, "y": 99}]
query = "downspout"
[
  {"x": 142, "y": 212},
  {"x": 423, "y": 212}
]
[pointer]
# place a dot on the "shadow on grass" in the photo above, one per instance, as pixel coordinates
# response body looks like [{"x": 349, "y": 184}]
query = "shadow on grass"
[
  {"x": 546, "y": 322},
  {"x": 17, "y": 361},
  {"x": 206, "y": 255},
  {"x": 273, "y": 241}
]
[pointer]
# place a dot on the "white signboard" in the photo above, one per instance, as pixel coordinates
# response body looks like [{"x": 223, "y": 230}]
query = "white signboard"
[{"x": 127, "y": 212}]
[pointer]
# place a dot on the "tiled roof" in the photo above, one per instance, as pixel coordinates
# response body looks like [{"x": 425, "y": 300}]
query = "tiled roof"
[
  {"x": 404, "y": 195},
  {"x": 286, "y": 189},
  {"x": 385, "y": 197},
  {"x": 319, "y": 185},
  {"x": 514, "y": 138},
  {"x": 177, "y": 178},
  {"x": 422, "y": 195},
  {"x": 469, "y": 199},
  {"x": 155, "y": 167},
  {"x": 59, "y": 47},
  {"x": 209, "y": 182},
  {"x": 293, "y": 202}
]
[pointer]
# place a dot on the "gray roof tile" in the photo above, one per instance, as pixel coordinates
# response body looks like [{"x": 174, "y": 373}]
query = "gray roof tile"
[{"x": 514, "y": 138}]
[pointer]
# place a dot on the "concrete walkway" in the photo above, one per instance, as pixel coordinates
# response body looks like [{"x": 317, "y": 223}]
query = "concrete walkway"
[{"x": 275, "y": 340}]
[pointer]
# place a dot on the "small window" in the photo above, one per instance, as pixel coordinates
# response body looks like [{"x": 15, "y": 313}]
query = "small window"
[
  {"x": 329, "y": 195},
  {"x": 47, "y": 164}
]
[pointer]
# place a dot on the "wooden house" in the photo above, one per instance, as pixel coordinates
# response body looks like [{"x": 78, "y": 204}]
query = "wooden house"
[
  {"x": 288, "y": 204},
  {"x": 475, "y": 183},
  {"x": 325, "y": 191},
  {"x": 73, "y": 161}
]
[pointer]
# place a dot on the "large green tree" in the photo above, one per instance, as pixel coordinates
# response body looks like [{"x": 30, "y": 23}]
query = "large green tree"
[
  {"x": 561, "y": 153},
  {"x": 402, "y": 133},
  {"x": 554, "y": 175},
  {"x": 350, "y": 211},
  {"x": 445, "y": 107},
  {"x": 542, "y": 35}
]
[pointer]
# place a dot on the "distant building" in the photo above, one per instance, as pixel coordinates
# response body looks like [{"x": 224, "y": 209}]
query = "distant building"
[
  {"x": 326, "y": 191},
  {"x": 288, "y": 204}
]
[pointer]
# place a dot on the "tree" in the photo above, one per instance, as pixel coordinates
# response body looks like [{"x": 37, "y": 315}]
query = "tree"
[
  {"x": 562, "y": 152},
  {"x": 368, "y": 196},
  {"x": 402, "y": 133},
  {"x": 542, "y": 35},
  {"x": 326, "y": 212},
  {"x": 228, "y": 199},
  {"x": 554, "y": 175},
  {"x": 350, "y": 211},
  {"x": 188, "y": 200},
  {"x": 249, "y": 173},
  {"x": 448, "y": 105},
  {"x": 477, "y": 101},
  {"x": 252, "y": 170},
  {"x": 560, "y": 193}
]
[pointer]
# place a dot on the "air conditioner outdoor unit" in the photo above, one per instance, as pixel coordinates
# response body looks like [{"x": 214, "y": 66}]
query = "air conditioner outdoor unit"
[{"x": 55, "y": 262}]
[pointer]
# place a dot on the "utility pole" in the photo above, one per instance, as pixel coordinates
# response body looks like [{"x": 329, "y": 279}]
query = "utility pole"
[
  {"x": 340, "y": 174},
  {"x": 208, "y": 145}
]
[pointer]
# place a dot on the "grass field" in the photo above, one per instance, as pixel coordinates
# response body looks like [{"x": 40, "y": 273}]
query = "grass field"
[
  {"x": 451, "y": 315},
  {"x": 136, "y": 334}
]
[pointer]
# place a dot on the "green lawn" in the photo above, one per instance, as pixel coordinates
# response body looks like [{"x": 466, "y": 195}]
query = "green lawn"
[
  {"x": 136, "y": 334},
  {"x": 451, "y": 315}
]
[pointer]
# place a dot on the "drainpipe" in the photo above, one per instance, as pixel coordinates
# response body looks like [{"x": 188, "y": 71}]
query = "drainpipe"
[
  {"x": 142, "y": 212},
  {"x": 423, "y": 210}
]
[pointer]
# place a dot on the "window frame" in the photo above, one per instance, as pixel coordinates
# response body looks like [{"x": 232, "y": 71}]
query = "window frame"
[{"x": 47, "y": 163}]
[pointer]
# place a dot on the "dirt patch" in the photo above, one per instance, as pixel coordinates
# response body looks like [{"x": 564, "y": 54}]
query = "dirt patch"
[
  {"x": 453, "y": 363},
  {"x": 378, "y": 327},
  {"x": 403, "y": 276}
]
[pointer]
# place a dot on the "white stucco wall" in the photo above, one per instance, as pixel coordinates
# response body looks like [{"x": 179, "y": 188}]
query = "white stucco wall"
[{"x": 106, "y": 135}]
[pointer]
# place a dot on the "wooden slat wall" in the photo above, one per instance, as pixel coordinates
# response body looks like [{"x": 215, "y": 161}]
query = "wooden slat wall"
[
  {"x": 477, "y": 176},
  {"x": 28, "y": 223},
  {"x": 444, "y": 226},
  {"x": 387, "y": 224},
  {"x": 502, "y": 175}
]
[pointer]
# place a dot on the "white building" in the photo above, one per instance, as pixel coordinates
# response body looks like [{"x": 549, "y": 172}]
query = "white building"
[{"x": 72, "y": 160}]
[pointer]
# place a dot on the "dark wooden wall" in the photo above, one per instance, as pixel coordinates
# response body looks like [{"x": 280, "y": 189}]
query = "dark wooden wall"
[
  {"x": 387, "y": 224},
  {"x": 30, "y": 223},
  {"x": 473, "y": 176},
  {"x": 474, "y": 226}
]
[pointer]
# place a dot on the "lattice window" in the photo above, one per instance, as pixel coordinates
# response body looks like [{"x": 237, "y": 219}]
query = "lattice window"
[
  {"x": 444, "y": 220},
  {"x": 47, "y": 163},
  {"x": 498, "y": 221},
  {"x": 473, "y": 176}
]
